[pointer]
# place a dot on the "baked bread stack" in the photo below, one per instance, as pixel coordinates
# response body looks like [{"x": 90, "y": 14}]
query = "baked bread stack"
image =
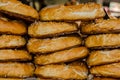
[
  {"x": 104, "y": 42},
  {"x": 15, "y": 60},
  {"x": 55, "y": 51},
  {"x": 12, "y": 51},
  {"x": 58, "y": 51},
  {"x": 52, "y": 48}
]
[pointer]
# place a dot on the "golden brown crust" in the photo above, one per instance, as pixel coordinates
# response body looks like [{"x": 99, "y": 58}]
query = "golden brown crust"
[
  {"x": 16, "y": 70},
  {"x": 87, "y": 11},
  {"x": 109, "y": 70},
  {"x": 78, "y": 71},
  {"x": 12, "y": 27},
  {"x": 51, "y": 45},
  {"x": 11, "y": 41},
  {"x": 103, "y": 40},
  {"x": 62, "y": 56},
  {"x": 103, "y": 57},
  {"x": 16, "y": 7},
  {"x": 48, "y": 29},
  {"x": 103, "y": 26},
  {"x": 98, "y": 78},
  {"x": 14, "y": 55},
  {"x": 47, "y": 79},
  {"x": 11, "y": 79}
]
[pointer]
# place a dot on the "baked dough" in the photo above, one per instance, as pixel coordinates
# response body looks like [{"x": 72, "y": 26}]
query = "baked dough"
[
  {"x": 103, "y": 41},
  {"x": 11, "y": 79},
  {"x": 109, "y": 70},
  {"x": 103, "y": 57},
  {"x": 14, "y": 55},
  {"x": 51, "y": 29},
  {"x": 87, "y": 11},
  {"x": 98, "y": 78},
  {"x": 46, "y": 79},
  {"x": 74, "y": 71},
  {"x": 62, "y": 56},
  {"x": 16, "y": 9},
  {"x": 51, "y": 45},
  {"x": 102, "y": 26},
  {"x": 16, "y": 70},
  {"x": 12, "y": 27},
  {"x": 11, "y": 41}
]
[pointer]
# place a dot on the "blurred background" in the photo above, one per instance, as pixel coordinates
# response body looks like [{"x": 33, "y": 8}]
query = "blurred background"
[{"x": 111, "y": 6}]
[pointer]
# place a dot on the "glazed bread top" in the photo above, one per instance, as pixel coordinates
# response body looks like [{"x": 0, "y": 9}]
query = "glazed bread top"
[
  {"x": 87, "y": 11},
  {"x": 15, "y": 6}
]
